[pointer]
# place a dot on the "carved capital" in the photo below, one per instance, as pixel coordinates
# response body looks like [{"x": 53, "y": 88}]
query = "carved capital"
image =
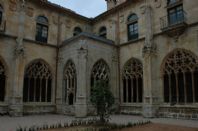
[
  {"x": 19, "y": 51},
  {"x": 149, "y": 50},
  {"x": 82, "y": 53}
]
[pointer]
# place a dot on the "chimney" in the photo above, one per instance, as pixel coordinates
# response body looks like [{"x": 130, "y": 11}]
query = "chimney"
[{"x": 113, "y": 3}]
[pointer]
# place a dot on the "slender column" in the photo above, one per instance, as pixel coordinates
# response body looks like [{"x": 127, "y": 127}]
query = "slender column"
[
  {"x": 46, "y": 88},
  {"x": 40, "y": 89},
  {"x": 137, "y": 89},
  {"x": 74, "y": 88},
  {"x": 193, "y": 86},
  {"x": 177, "y": 88},
  {"x": 28, "y": 99},
  {"x": 127, "y": 91},
  {"x": 170, "y": 92},
  {"x": 34, "y": 89},
  {"x": 132, "y": 90},
  {"x": 67, "y": 90},
  {"x": 185, "y": 91}
]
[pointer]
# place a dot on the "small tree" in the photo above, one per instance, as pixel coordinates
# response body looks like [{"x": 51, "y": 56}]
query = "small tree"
[{"x": 102, "y": 99}]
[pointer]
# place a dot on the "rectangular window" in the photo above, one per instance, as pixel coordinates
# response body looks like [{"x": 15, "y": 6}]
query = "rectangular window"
[
  {"x": 41, "y": 33},
  {"x": 175, "y": 15},
  {"x": 133, "y": 31}
]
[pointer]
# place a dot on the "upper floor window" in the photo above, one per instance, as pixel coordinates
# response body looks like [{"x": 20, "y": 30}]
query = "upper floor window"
[
  {"x": 41, "y": 29},
  {"x": 77, "y": 31},
  {"x": 171, "y": 2},
  {"x": 1, "y": 14},
  {"x": 103, "y": 32},
  {"x": 175, "y": 12},
  {"x": 175, "y": 15},
  {"x": 132, "y": 27}
]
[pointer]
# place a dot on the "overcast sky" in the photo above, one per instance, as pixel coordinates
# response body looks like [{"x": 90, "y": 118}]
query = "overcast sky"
[{"x": 88, "y": 8}]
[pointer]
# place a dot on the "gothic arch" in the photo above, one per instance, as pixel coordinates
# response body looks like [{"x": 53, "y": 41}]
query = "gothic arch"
[
  {"x": 2, "y": 80},
  {"x": 37, "y": 82},
  {"x": 70, "y": 82},
  {"x": 180, "y": 77},
  {"x": 100, "y": 71},
  {"x": 132, "y": 77}
]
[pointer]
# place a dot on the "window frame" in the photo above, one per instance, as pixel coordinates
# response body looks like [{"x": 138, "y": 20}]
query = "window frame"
[
  {"x": 175, "y": 14},
  {"x": 43, "y": 29},
  {"x": 135, "y": 28}
]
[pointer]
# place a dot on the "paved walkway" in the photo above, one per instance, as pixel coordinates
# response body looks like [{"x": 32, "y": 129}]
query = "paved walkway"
[{"x": 11, "y": 123}]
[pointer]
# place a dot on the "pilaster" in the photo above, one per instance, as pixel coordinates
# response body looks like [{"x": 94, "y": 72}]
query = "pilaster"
[
  {"x": 150, "y": 105},
  {"x": 16, "y": 101},
  {"x": 81, "y": 96}
]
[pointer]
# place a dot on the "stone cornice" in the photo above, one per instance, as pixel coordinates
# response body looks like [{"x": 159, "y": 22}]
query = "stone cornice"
[{"x": 89, "y": 36}]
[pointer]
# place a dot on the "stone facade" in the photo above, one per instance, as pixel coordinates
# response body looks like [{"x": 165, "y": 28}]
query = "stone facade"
[{"x": 62, "y": 68}]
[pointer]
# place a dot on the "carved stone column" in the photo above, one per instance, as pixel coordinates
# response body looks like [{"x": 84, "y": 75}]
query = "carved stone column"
[
  {"x": 16, "y": 101},
  {"x": 81, "y": 96},
  {"x": 149, "y": 55}
]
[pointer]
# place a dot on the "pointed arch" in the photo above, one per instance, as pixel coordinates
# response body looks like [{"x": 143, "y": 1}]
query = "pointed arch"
[
  {"x": 70, "y": 82},
  {"x": 180, "y": 77},
  {"x": 132, "y": 77},
  {"x": 37, "y": 82},
  {"x": 100, "y": 71}
]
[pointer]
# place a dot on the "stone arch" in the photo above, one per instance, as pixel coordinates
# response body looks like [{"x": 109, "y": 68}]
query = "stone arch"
[
  {"x": 100, "y": 71},
  {"x": 102, "y": 31},
  {"x": 70, "y": 82},
  {"x": 37, "y": 82},
  {"x": 180, "y": 77},
  {"x": 77, "y": 30},
  {"x": 132, "y": 77}
]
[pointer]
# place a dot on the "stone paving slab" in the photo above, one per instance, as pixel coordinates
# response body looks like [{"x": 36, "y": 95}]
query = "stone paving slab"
[{"x": 11, "y": 123}]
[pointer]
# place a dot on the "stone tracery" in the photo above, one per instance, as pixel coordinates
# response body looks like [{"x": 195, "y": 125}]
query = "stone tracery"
[
  {"x": 37, "y": 83},
  {"x": 180, "y": 72},
  {"x": 70, "y": 82},
  {"x": 132, "y": 81},
  {"x": 100, "y": 71}
]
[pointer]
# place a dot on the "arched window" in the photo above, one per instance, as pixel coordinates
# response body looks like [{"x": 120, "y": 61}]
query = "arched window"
[
  {"x": 180, "y": 73},
  {"x": 77, "y": 31},
  {"x": 132, "y": 26},
  {"x": 70, "y": 82},
  {"x": 103, "y": 32},
  {"x": 42, "y": 29},
  {"x": 1, "y": 14},
  {"x": 133, "y": 82},
  {"x": 2, "y": 82},
  {"x": 37, "y": 83},
  {"x": 100, "y": 71}
]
